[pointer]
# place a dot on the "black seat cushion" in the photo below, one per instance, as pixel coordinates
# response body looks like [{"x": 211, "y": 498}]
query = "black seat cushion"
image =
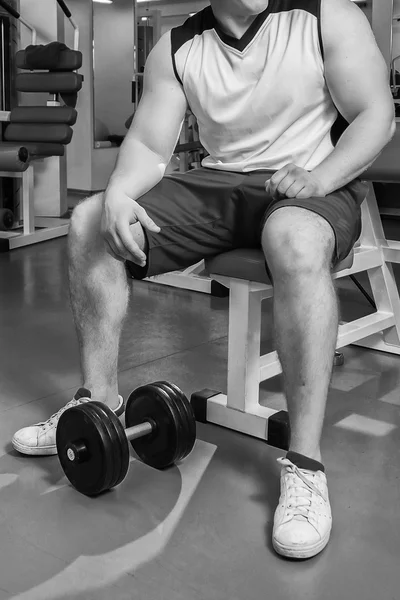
[
  {"x": 56, "y": 133},
  {"x": 44, "y": 114},
  {"x": 249, "y": 264},
  {"x": 52, "y": 83},
  {"x": 67, "y": 60}
]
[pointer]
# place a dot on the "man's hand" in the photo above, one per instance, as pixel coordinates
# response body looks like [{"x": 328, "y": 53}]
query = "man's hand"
[
  {"x": 294, "y": 182},
  {"x": 119, "y": 213}
]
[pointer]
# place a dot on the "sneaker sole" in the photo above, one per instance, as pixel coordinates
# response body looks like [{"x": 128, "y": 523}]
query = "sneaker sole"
[
  {"x": 34, "y": 451},
  {"x": 52, "y": 450},
  {"x": 303, "y": 552}
]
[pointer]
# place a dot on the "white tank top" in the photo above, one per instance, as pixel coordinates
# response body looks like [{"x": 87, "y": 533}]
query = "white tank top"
[{"x": 261, "y": 102}]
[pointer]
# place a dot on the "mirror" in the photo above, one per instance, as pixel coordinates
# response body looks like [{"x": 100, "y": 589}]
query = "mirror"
[{"x": 113, "y": 66}]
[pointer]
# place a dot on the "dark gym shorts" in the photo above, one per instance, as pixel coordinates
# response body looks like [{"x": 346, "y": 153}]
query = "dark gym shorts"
[{"x": 205, "y": 212}]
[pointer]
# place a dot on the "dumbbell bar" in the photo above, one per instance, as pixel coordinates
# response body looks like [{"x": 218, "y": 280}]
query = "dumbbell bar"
[
  {"x": 79, "y": 452},
  {"x": 92, "y": 443}
]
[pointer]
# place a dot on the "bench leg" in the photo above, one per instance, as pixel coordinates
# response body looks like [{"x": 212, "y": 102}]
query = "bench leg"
[
  {"x": 244, "y": 346},
  {"x": 28, "y": 210},
  {"x": 240, "y": 410},
  {"x": 382, "y": 281}
]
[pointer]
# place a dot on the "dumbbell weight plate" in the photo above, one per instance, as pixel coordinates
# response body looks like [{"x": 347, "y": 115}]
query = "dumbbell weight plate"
[
  {"x": 188, "y": 436},
  {"x": 191, "y": 419},
  {"x": 124, "y": 448},
  {"x": 153, "y": 403},
  {"x": 85, "y": 423},
  {"x": 121, "y": 449},
  {"x": 182, "y": 421},
  {"x": 114, "y": 446}
]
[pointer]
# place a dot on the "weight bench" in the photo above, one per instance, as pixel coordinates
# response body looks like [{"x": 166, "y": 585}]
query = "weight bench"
[{"x": 243, "y": 272}]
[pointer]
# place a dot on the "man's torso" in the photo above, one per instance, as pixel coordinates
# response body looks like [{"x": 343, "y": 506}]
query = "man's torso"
[{"x": 261, "y": 102}]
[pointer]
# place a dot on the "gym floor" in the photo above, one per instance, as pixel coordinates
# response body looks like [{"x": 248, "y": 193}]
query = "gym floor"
[{"x": 203, "y": 530}]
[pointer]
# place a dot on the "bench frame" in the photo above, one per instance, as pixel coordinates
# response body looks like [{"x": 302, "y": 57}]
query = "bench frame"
[
  {"x": 28, "y": 228},
  {"x": 240, "y": 409}
]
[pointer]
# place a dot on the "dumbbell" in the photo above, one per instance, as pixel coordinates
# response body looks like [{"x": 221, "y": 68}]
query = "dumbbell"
[{"x": 93, "y": 446}]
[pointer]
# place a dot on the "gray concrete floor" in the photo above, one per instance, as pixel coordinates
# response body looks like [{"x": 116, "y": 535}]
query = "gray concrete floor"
[{"x": 200, "y": 531}]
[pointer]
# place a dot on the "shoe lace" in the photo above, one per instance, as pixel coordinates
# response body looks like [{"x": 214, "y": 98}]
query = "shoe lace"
[
  {"x": 53, "y": 420},
  {"x": 301, "y": 491}
]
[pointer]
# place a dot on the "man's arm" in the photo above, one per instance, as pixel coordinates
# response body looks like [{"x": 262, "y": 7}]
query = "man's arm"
[
  {"x": 358, "y": 80},
  {"x": 153, "y": 135}
]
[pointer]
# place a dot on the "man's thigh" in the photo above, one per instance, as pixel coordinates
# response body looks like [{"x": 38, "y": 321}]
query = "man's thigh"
[
  {"x": 197, "y": 212},
  {"x": 341, "y": 209}
]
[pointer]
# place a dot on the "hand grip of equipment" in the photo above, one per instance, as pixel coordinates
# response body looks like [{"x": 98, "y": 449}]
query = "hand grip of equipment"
[
  {"x": 64, "y": 8},
  {"x": 10, "y": 9}
]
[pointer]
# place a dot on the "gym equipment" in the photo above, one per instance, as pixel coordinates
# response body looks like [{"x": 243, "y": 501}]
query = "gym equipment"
[
  {"x": 8, "y": 49},
  {"x": 92, "y": 443},
  {"x": 35, "y": 133}
]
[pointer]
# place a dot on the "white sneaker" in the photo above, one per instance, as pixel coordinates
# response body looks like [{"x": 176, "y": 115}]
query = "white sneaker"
[
  {"x": 40, "y": 439},
  {"x": 303, "y": 519}
]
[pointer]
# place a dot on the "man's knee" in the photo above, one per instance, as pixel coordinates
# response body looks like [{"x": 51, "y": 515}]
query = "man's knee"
[
  {"x": 86, "y": 217},
  {"x": 296, "y": 240},
  {"x": 85, "y": 227}
]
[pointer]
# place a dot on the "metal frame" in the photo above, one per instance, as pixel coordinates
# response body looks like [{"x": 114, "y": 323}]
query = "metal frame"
[
  {"x": 189, "y": 279},
  {"x": 382, "y": 25},
  {"x": 395, "y": 86},
  {"x": 240, "y": 409},
  {"x": 14, "y": 13},
  {"x": 135, "y": 80}
]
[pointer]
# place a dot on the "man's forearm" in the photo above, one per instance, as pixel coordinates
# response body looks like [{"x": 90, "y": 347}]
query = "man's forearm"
[
  {"x": 138, "y": 169},
  {"x": 357, "y": 149}
]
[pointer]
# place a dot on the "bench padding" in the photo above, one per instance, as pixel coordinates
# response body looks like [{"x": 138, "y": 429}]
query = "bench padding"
[
  {"x": 14, "y": 158},
  {"x": 68, "y": 60},
  {"x": 44, "y": 114},
  {"x": 52, "y": 83},
  {"x": 34, "y": 149},
  {"x": 249, "y": 264}
]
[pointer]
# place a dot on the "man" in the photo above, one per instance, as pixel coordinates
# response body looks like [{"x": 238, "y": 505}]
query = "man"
[{"x": 293, "y": 104}]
